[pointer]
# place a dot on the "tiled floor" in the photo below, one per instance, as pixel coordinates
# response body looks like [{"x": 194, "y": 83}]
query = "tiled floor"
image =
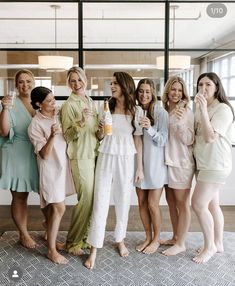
[{"x": 111, "y": 269}]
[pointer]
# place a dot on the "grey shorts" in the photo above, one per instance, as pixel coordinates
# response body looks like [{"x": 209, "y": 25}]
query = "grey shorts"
[{"x": 213, "y": 176}]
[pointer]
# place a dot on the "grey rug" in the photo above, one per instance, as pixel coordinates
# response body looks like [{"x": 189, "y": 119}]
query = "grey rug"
[{"x": 33, "y": 268}]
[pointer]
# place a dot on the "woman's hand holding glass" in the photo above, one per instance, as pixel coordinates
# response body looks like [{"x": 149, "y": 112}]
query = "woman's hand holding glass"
[
  {"x": 56, "y": 129},
  {"x": 7, "y": 101},
  {"x": 200, "y": 101},
  {"x": 180, "y": 109},
  {"x": 145, "y": 122},
  {"x": 87, "y": 113}
]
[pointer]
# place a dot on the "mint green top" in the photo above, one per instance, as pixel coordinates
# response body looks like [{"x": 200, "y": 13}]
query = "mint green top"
[
  {"x": 81, "y": 140},
  {"x": 18, "y": 164}
]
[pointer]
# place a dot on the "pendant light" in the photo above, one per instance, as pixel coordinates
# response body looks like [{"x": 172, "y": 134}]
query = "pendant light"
[{"x": 55, "y": 63}]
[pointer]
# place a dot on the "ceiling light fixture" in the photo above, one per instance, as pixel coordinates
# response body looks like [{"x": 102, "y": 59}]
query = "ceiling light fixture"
[
  {"x": 55, "y": 63},
  {"x": 176, "y": 62}
]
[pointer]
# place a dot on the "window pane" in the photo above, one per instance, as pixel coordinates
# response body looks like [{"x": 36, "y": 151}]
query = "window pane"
[
  {"x": 100, "y": 66},
  {"x": 232, "y": 66},
  {"x": 231, "y": 88},
  {"x": 12, "y": 61},
  {"x": 139, "y": 25},
  {"x": 193, "y": 19},
  {"x": 224, "y": 68},
  {"x": 32, "y": 25}
]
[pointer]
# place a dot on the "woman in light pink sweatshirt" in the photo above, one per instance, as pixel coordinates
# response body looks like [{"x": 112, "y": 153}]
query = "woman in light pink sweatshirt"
[{"x": 179, "y": 159}]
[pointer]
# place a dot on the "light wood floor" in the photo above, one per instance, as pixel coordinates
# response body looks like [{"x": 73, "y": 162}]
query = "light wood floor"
[{"x": 35, "y": 219}]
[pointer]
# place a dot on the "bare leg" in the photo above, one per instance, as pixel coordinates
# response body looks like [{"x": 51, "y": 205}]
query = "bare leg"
[
  {"x": 123, "y": 251},
  {"x": 182, "y": 201},
  {"x": 90, "y": 262},
  {"x": 56, "y": 212},
  {"x": 145, "y": 217},
  {"x": 45, "y": 222},
  {"x": 171, "y": 201},
  {"x": 19, "y": 215},
  {"x": 218, "y": 218},
  {"x": 156, "y": 219},
  {"x": 204, "y": 193}
]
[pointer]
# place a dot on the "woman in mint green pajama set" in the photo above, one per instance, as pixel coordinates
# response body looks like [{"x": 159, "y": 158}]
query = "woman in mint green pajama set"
[{"x": 79, "y": 123}]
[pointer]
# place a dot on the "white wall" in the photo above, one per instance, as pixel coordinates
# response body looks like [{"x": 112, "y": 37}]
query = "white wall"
[{"x": 227, "y": 195}]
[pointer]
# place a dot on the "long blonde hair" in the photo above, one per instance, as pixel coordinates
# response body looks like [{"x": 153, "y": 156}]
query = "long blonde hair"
[{"x": 167, "y": 88}]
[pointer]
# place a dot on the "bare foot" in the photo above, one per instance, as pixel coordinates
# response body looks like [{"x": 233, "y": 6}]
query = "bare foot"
[
  {"x": 55, "y": 257},
  {"x": 141, "y": 247},
  {"x": 171, "y": 241},
  {"x": 204, "y": 256},
  {"x": 60, "y": 245},
  {"x": 173, "y": 250},
  {"x": 90, "y": 262},
  {"x": 219, "y": 247},
  {"x": 27, "y": 241},
  {"x": 123, "y": 251},
  {"x": 151, "y": 248},
  {"x": 77, "y": 252},
  {"x": 200, "y": 249}
]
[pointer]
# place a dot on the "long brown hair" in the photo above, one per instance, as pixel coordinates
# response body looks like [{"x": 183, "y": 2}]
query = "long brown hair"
[
  {"x": 150, "y": 110},
  {"x": 127, "y": 85},
  {"x": 219, "y": 93}
]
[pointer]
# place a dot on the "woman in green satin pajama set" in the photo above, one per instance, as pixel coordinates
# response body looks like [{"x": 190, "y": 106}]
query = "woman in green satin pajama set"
[{"x": 79, "y": 123}]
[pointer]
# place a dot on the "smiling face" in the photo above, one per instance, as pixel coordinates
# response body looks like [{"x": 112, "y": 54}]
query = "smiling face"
[
  {"x": 24, "y": 84},
  {"x": 76, "y": 84},
  {"x": 145, "y": 95},
  {"x": 48, "y": 104},
  {"x": 175, "y": 93},
  {"x": 208, "y": 88},
  {"x": 116, "y": 89}
]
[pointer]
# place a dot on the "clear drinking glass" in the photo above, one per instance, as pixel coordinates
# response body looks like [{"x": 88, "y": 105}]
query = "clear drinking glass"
[
  {"x": 181, "y": 104},
  {"x": 12, "y": 94}
]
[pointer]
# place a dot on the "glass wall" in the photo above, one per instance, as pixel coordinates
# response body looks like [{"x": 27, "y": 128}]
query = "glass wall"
[{"x": 103, "y": 37}]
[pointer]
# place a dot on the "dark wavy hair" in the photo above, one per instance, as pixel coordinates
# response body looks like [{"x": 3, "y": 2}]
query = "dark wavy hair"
[
  {"x": 150, "y": 110},
  {"x": 219, "y": 93},
  {"x": 127, "y": 85},
  {"x": 38, "y": 94}
]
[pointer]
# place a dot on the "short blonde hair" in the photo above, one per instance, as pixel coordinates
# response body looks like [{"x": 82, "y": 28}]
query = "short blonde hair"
[
  {"x": 80, "y": 72},
  {"x": 167, "y": 88}
]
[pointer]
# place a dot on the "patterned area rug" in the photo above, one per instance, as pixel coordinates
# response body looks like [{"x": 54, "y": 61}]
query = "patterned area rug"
[{"x": 19, "y": 266}]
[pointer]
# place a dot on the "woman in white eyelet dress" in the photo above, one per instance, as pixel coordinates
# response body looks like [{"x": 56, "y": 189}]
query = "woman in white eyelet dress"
[{"x": 115, "y": 165}]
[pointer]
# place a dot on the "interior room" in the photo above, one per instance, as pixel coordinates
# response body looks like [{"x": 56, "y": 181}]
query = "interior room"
[{"x": 147, "y": 39}]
